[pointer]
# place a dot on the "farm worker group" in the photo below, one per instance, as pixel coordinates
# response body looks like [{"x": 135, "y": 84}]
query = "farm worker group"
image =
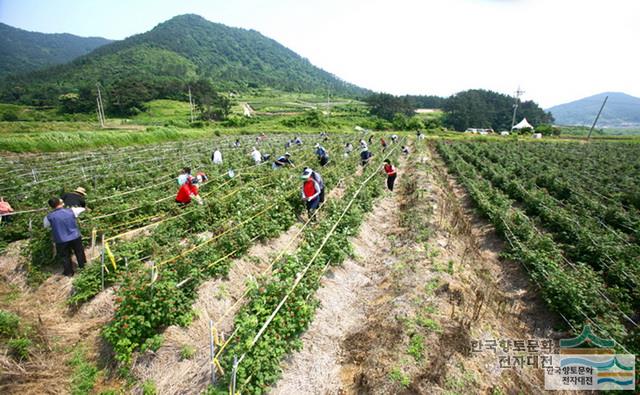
[{"x": 65, "y": 210}]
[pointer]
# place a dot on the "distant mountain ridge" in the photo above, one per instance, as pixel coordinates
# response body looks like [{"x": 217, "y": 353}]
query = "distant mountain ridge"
[
  {"x": 182, "y": 49},
  {"x": 23, "y": 51},
  {"x": 621, "y": 111}
]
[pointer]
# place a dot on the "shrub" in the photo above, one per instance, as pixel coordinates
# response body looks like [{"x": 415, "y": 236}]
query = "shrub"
[
  {"x": 19, "y": 348},
  {"x": 9, "y": 323}
]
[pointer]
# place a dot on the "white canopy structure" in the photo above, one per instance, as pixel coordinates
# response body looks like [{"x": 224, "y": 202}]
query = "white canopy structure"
[{"x": 523, "y": 124}]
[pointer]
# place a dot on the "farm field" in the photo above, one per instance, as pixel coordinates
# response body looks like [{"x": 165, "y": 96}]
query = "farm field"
[
  {"x": 570, "y": 215},
  {"x": 482, "y": 237},
  {"x": 153, "y": 255}
]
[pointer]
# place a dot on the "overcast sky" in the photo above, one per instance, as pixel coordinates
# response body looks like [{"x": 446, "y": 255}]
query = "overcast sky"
[{"x": 556, "y": 50}]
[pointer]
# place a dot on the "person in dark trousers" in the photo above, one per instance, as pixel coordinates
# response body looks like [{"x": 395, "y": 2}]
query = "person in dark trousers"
[
  {"x": 310, "y": 192},
  {"x": 391, "y": 173},
  {"x": 405, "y": 150},
  {"x": 383, "y": 143},
  {"x": 365, "y": 156},
  {"x": 318, "y": 178},
  {"x": 75, "y": 198},
  {"x": 322, "y": 154},
  {"x": 66, "y": 234},
  {"x": 283, "y": 161}
]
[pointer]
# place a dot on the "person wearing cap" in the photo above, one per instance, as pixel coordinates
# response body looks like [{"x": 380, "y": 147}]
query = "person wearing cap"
[
  {"x": 66, "y": 233},
  {"x": 283, "y": 161},
  {"x": 75, "y": 198},
  {"x": 365, "y": 156},
  {"x": 188, "y": 191},
  {"x": 322, "y": 154},
  {"x": 5, "y": 211},
  {"x": 310, "y": 192},
  {"x": 216, "y": 157},
  {"x": 256, "y": 156},
  {"x": 318, "y": 178},
  {"x": 298, "y": 140},
  {"x": 391, "y": 173}
]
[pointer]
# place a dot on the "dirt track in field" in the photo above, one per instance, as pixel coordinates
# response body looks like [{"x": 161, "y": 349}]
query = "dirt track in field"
[
  {"x": 427, "y": 279},
  {"x": 55, "y": 329}
]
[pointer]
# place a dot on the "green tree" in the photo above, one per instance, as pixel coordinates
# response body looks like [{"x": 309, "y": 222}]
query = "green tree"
[
  {"x": 386, "y": 106},
  {"x": 127, "y": 97},
  {"x": 210, "y": 104},
  {"x": 479, "y": 108}
]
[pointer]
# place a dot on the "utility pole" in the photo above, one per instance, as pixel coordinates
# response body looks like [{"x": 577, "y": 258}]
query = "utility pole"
[
  {"x": 191, "y": 104},
  {"x": 100, "y": 106},
  {"x": 597, "y": 117},
  {"x": 519, "y": 93}
]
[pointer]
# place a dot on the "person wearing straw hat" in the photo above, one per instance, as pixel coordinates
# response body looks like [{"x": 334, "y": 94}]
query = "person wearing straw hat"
[
  {"x": 75, "y": 198},
  {"x": 310, "y": 191},
  {"x": 66, "y": 234}
]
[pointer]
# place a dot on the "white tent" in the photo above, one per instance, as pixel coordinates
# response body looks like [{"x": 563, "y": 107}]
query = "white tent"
[{"x": 523, "y": 124}]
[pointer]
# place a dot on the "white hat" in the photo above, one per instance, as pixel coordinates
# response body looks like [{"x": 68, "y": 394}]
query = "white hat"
[{"x": 306, "y": 173}]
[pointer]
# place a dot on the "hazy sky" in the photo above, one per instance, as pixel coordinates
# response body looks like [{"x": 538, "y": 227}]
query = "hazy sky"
[{"x": 556, "y": 50}]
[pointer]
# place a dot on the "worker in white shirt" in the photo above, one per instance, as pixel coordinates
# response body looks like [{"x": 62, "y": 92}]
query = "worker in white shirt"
[
  {"x": 256, "y": 156},
  {"x": 216, "y": 157}
]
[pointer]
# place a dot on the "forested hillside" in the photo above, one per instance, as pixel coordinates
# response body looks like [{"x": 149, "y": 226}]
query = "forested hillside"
[
  {"x": 163, "y": 61},
  {"x": 23, "y": 51}
]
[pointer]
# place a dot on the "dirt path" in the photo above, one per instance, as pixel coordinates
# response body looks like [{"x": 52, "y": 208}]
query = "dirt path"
[
  {"x": 218, "y": 300},
  {"x": 55, "y": 330},
  {"x": 343, "y": 296},
  {"x": 174, "y": 374},
  {"x": 427, "y": 280}
]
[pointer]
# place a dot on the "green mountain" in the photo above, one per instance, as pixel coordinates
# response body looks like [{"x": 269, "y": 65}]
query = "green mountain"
[
  {"x": 23, "y": 51},
  {"x": 621, "y": 111},
  {"x": 182, "y": 49}
]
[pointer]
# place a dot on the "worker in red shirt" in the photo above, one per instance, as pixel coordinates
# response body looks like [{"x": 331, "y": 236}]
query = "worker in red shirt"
[
  {"x": 310, "y": 191},
  {"x": 391, "y": 173},
  {"x": 188, "y": 191},
  {"x": 383, "y": 143}
]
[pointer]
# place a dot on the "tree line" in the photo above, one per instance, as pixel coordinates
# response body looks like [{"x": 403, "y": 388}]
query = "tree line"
[
  {"x": 128, "y": 97},
  {"x": 476, "y": 108}
]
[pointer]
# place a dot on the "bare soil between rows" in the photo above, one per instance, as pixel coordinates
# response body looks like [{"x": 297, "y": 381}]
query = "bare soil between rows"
[{"x": 427, "y": 279}]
